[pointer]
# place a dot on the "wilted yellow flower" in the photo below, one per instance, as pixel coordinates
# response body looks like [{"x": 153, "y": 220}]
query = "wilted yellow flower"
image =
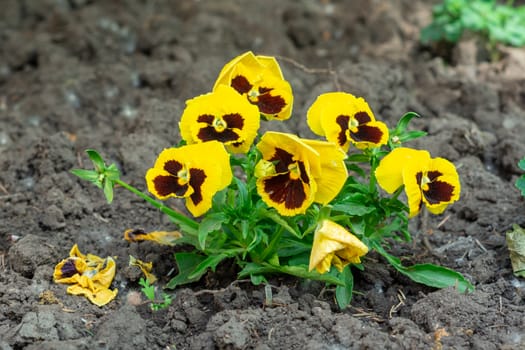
[
  {"x": 260, "y": 80},
  {"x": 89, "y": 275},
  {"x": 334, "y": 245},
  {"x": 145, "y": 267},
  {"x": 222, "y": 115},
  {"x": 293, "y": 174},
  {"x": 432, "y": 181},
  {"x": 195, "y": 172},
  {"x": 343, "y": 119},
  {"x": 161, "y": 237}
]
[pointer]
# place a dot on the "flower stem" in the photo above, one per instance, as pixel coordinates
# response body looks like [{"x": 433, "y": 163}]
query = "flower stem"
[{"x": 177, "y": 217}]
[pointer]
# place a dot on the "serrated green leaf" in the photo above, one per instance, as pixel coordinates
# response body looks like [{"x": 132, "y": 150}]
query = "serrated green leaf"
[
  {"x": 210, "y": 223},
  {"x": 353, "y": 209},
  {"x": 186, "y": 263},
  {"x": 210, "y": 262}
]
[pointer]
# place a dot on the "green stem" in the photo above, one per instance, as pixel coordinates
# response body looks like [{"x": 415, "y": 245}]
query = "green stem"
[
  {"x": 271, "y": 246},
  {"x": 177, "y": 217}
]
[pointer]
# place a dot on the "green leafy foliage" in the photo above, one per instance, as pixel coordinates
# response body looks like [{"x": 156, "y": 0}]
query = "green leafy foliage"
[
  {"x": 493, "y": 21},
  {"x": 149, "y": 292},
  {"x": 241, "y": 228}
]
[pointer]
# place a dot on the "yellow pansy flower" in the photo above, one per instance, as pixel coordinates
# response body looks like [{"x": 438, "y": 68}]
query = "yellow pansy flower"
[
  {"x": 343, "y": 119},
  {"x": 222, "y": 115},
  {"x": 430, "y": 181},
  {"x": 89, "y": 275},
  {"x": 260, "y": 80},
  {"x": 292, "y": 174},
  {"x": 195, "y": 172},
  {"x": 334, "y": 245}
]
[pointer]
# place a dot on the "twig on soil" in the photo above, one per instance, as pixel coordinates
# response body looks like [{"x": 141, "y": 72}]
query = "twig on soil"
[
  {"x": 480, "y": 245},
  {"x": 329, "y": 70},
  {"x": 442, "y": 222},
  {"x": 79, "y": 161},
  {"x": 99, "y": 217},
  {"x": 402, "y": 298},
  {"x": 222, "y": 290},
  {"x": 371, "y": 315},
  {"x": 2, "y": 261},
  {"x": 3, "y": 189}
]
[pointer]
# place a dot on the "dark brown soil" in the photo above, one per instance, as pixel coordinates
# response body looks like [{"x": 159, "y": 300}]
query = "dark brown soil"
[{"x": 114, "y": 76}]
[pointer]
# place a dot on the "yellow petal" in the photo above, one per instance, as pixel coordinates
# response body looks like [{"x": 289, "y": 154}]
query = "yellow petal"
[
  {"x": 211, "y": 159},
  {"x": 333, "y": 170},
  {"x": 389, "y": 173},
  {"x": 145, "y": 267},
  {"x": 247, "y": 58},
  {"x": 105, "y": 276},
  {"x": 412, "y": 186},
  {"x": 69, "y": 270},
  {"x": 270, "y": 63},
  {"x": 100, "y": 297},
  {"x": 370, "y": 135},
  {"x": 162, "y": 237}
]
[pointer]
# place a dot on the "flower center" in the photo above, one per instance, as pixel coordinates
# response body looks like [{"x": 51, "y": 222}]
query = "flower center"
[
  {"x": 353, "y": 124},
  {"x": 219, "y": 124},
  {"x": 424, "y": 182},
  {"x": 183, "y": 176},
  {"x": 295, "y": 172}
]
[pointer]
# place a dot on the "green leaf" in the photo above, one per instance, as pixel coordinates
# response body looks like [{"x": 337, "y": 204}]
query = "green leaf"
[
  {"x": 210, "y": 223},
  {"x": 97, "y": 160},
  {"x": 272, "y": 215},
  {"x": 428, "y": 274},
  {"x": 353, "y": 209},
  {"x": 300, "y": 271},
  {"x": 520, "y": 184},
  {"x": 521, "y": 164},
  {"x": 412, "y": 135},
  {"x": 404, "y": 121},
  {"x": 210, "y": 262},
  {"x": 343, "y": 294},
  {"x": 186, "y": 263},
  {"x": 108, "y": 190},
  {"x": 257, "y": 279},
  {"x": 436, "y": 276},
  {"x": 89, "y": 175}
]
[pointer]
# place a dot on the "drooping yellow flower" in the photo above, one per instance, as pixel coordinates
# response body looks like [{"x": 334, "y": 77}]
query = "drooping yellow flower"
[
  {"x": 334, "y": 245},
  {"x": 222, "y": 115},
  {"x": 161, "y": 237},
  {"x": 260, "y": 80},
  {"x": 89, "y": 275},
  {"x": 145, "y": 267},
  {"x": 430, "y": 181},
  {"x": 343, "y": 119},
  {"x": 294, "y": 173},
  {"x": 195, "y": 172}
]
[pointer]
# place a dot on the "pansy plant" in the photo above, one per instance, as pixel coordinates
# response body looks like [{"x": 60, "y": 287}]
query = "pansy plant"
[{"x": 279, "y": 203}]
